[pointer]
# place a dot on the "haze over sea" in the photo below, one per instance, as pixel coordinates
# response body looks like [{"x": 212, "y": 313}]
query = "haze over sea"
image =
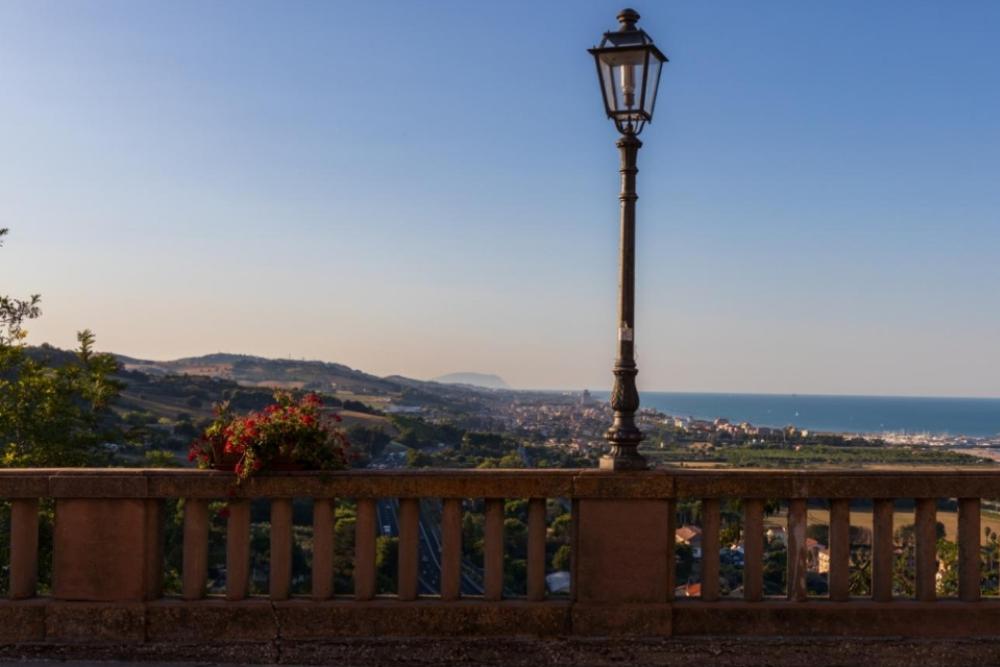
[{"x": 840, "y": 414}]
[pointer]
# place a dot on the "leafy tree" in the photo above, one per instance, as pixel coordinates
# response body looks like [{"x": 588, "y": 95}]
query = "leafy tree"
[
  {"x": 51, "y": 414},
  {"x": 860, "y": 573},
  {"x": 161, "y": 458},
  {"x": 387, "y": 563},
  {"x": 947, "y": 583},
  {"x": 819, "y": 532},
  {"x": 345, "y": 521},
  {"x": 684, "y": 563},
  {"x": 561, "y": 559},
  {"x": 775, "y": 568},
  {"x": 15, "y": 312},
  {"x": 56, "y": 415},
  {"x": 417, "y": 459},
  {"x": 370, "y": 441}
]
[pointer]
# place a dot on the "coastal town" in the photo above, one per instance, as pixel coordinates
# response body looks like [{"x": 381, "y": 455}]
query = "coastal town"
[{"x": 575, "y": 422}]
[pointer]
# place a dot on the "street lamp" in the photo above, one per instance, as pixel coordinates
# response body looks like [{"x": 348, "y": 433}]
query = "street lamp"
[{"x": 628, "y": 68}]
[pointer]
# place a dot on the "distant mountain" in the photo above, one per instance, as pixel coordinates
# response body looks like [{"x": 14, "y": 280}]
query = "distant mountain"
[
  {"x": 260, "y": 372},
  {"x": 485, "y": 380}
]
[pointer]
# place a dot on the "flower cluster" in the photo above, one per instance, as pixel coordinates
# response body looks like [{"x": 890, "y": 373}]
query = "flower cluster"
[{"x": 286, "y": 432}]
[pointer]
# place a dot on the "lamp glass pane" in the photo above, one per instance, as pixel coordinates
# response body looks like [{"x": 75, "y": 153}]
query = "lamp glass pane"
[
  {"x": 608, "y": 86},
  {"x": 623, "y": 78},
  {"x": 652, "y": 83}
]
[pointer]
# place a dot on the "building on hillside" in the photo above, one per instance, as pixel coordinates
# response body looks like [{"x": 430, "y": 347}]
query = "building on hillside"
[
  {"x": 777, "y": 533},
  {"x": 689, "y": 590},
  {"x": 823, "y": 560},
  {"x": 691, "y": 536}
]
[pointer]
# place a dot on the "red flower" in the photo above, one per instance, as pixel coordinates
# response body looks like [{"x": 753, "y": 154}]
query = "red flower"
[
  {"x": 224, "y": 513},
  {"x": 337, "y": 418}
]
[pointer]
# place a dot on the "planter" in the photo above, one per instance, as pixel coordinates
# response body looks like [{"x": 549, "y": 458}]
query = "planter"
[
  {"x": 285, "y": 465},
  {"x": 289, "y": 435},
  {"x": 227, "y": 462},
  {"x": 223, "y": 461}
]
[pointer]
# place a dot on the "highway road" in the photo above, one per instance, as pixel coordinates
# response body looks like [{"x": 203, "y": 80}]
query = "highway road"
[{"x": 429, "y": 572}]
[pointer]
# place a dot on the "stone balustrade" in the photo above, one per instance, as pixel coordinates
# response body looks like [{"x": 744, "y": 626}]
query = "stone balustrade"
[{"x": 108, "y": 556}]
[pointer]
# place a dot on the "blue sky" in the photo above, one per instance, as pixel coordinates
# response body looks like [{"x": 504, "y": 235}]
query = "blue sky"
[{"x": 422, "y": 188}]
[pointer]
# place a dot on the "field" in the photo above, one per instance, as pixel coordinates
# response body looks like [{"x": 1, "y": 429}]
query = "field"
[{"x": 900, "y": 518}]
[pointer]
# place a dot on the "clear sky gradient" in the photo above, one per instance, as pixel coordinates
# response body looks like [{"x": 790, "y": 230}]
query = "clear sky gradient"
[{"x": 429, "y": 187}]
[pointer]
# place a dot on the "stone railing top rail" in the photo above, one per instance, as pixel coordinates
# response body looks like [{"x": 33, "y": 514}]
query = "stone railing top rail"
[{"x": 884, "y": 482}]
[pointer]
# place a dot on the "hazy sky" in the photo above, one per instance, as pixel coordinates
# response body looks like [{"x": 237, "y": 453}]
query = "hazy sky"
[{"x": 429, "y": 187}]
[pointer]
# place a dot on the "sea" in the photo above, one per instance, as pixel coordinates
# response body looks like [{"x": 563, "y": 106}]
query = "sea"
[{"x": 977, "y": 417}]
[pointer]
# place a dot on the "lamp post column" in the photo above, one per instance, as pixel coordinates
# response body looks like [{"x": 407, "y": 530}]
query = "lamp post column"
[{"x": 624, "y": 436}]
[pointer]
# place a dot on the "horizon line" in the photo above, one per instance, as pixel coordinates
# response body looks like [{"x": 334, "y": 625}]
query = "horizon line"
[{"x": 714, "y": 392}]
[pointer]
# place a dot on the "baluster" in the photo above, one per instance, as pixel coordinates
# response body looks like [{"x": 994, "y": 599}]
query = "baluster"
[
  {"x": 798, "y": 552},
  {"x": 23, "y": 548},
  {"x": 195, "y": 566},
  {"x": 493, "y": 552},
  {"x": 968, "y": 549},
  {"x": 710, "y": 527},
  {"x": 364, "y": 550},
  {"x": 451, "y": 549},
  {"x": 323, "y": 545},
  {"x": 536, "y": 549},
  {"x": 882, "y": 550},
  {"x": 753, "y": 549},
  {"x": 671, "y": 529},
  {"x": 926, "y": 549},
  {"x": 280, "y": 576},
  {"x": 409, "y": 548},
  {"x": 238, "y": 550},
  {"x": 840, "y": 549}
]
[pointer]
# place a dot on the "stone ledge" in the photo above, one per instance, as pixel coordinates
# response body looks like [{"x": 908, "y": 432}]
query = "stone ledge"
[
  {"x": 22, "y": 621},
  {"x": 215, "y": 620},
  {"x": 95, "y": 622},
  {"x": 302, "y": 619},
  {"x": 211, "y": 620},
  {"x": 888, "y": 482},
  {"x": 557, "y": 652},
  {"x": 857, "y": 618}
]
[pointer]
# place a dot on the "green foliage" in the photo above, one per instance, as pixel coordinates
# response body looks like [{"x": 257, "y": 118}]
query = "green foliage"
[
  {"x": 368, "y": 442},
  {"x": 387, "y": 563},
  {"x": 947, "y": 583},
  {"x": 819, "y": 532},
  {"x": 860, "y": 574},
  {"x": 485, "y": 444},
  {"x": 510, "y": 460},
  {"x": 417, "y": 459},
  {"x": 777, "y": 455},
  {"x": 415, "y": 432},
  {"x": 160, "y": 458},
  {"x": 345, "y": 520},
  {"x": 561, "y": 559},
  {"x": 684, "y": 562},
  {"x": 56, "y": 415},
  {"x": 775, "y": 568},
  {"x": 15, "y": 312}
]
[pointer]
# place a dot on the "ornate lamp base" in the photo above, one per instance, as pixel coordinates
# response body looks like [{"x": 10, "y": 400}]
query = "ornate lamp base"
[
  {"x": 624, "y": 454},
  {"x": 631, "y": 460}
]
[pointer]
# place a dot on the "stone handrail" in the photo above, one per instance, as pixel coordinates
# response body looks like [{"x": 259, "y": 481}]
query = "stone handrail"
[{"x": 108, "y": 555}]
